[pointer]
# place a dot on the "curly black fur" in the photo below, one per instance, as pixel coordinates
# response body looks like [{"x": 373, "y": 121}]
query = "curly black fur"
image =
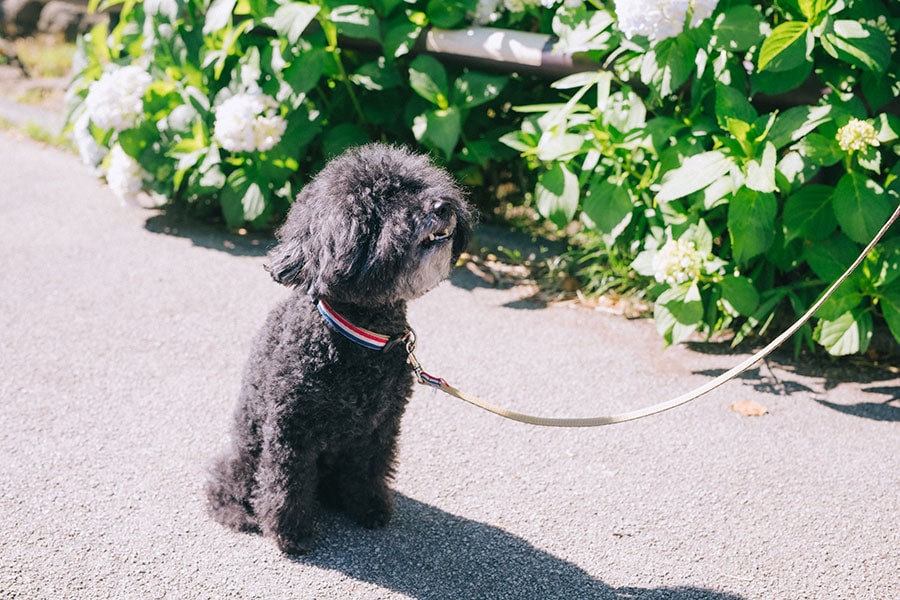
[{"x": 318, "y": 415}]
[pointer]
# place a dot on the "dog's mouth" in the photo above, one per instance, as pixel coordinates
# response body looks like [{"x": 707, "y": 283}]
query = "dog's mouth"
[{"x": 440, "y": 235}]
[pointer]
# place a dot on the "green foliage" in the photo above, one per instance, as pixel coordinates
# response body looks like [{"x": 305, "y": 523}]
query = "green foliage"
[
  {"x": 305, "y": 98},
  {"x": 744, "y": 163},
  {"x": 731, "y": 165}
]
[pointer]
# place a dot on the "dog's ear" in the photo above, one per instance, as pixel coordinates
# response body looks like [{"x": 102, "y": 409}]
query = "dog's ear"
[
  {"x": 319, "y": 250},
  {"x": 287, "y": 262}
]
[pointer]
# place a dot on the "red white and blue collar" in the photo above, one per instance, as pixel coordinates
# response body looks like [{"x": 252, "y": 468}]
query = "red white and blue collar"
[{"x": 360, "y": 335}]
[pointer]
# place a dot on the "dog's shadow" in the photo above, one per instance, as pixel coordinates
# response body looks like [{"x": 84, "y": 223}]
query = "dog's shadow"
[{"x": 429, "y": 554}]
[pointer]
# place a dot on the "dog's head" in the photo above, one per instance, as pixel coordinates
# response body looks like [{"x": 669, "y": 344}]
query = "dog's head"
[{"x": 377, "y": 225}]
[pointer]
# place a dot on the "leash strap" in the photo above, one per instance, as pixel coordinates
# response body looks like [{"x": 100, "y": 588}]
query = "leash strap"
[{"x": 442, "y": 385}]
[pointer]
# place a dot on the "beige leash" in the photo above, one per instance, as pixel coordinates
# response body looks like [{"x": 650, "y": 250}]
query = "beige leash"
[{"x": 440, "y": 384}]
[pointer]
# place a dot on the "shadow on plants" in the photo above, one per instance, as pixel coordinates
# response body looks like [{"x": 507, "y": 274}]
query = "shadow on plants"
[{"x": 427, "y": 553}]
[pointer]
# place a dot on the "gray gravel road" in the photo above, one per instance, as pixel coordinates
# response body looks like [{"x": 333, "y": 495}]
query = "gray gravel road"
[{"x": 123, "y": 338}]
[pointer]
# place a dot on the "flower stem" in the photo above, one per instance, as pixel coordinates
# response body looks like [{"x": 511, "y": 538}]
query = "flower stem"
[{"x": 331, "y": 35}]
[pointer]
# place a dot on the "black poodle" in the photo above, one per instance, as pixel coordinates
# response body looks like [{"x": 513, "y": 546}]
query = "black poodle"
[{"x": 327, "y": 380}]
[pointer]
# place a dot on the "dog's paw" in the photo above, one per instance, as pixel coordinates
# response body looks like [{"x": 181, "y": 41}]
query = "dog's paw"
[
  {"x": 375, "y": 519},
  {"x": 374, "y": 514},
  {"x": 294, "y": 546}
]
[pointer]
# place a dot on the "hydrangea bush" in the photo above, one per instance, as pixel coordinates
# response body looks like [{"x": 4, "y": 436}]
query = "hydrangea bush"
[
  {"x": 741, "y": 153},
  {"x": 226, "y": 107},
  {"x": 733, "y": 156}
]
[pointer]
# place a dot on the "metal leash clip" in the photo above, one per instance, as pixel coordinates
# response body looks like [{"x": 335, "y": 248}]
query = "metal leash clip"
[
  {"x": 421, "y": 376},
  {"x": 410, "y": 339}
]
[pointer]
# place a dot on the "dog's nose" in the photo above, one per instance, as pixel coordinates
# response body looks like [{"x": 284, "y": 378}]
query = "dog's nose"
[{"x": 441, "y": 209}]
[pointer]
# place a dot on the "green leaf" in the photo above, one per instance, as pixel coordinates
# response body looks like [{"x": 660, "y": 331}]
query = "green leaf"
[
  {"x": 517, "y": 140},
  {"x": 292, "y": 19},
  {"x": 377, "y": 75},
  {"x": 626, "y": 113},
  {"x": 733, "y": 103},
  {"x": 888, "y": 127},
  {"x": 302, "y": 128},
  {"x": 133, "y": 142},
  {"x": 830, "y": 257},
  {"x": 785, "y": 48},
  {"x": 761, "y": 173},
  {"x": 808, "y": 213},
  {"x": 241, "y": 199},
  {"x": 858, "y": 44},
  {"x": 738, "y": 28},
  {"x": 678, "y": 312},
  {"x": 889, "y": 259},
  {"x": 861, "y": 206},
  {"x": 578, "y": 80},
  {"x": 813, "y": 9},
  {"x": 845, "y": 298},
  {"x": 608, "y": 206},
  {"x": 685, "y": 305},
  {"x": 473, "y": 88},
  {"x": 794, "y": 123},
  {"x": 304, "y": 72},
  {"x": 890, "y": 308},
  {"x": 355, "y": 21},
  {"x": 386, "y": 7},
  {"x": 439, "y": 129},
  {"x": 556, "y": 194},
  {"x": 559, "y": 147},
  {"x": 751, "y": 223},
  {"x": 581, "y": 30},
  {"x": 399, "y": 39},
  {"x": 446, "y": 14},
  {"x": 218, "y": 16},
  {"x": 879, "y": 89},
  {"x": 821, "y": 150},
  {"x": 695, "y": 173},
  {"x": 429, "y": 79},
  {"x": 740, "y": 293},
  {"x": 774, "y": 83},
  {"x": 668, "y": 65},
  {"x": 481, "y": 152},
  {"x": 869, "y": 159},
  {"x": 848, "y": 334},
  {"x": 342, "y": 136}
]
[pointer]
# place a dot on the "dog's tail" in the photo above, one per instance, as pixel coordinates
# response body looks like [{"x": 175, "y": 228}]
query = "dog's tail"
[{"x": 228, "y": 490}]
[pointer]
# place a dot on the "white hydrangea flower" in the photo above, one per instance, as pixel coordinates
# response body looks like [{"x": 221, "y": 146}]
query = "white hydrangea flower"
[
  {"x": 124, "y": 175},
  {"x": 857, "y": 135},
  {"x": 92, "y": 153},
  {"x": 486, "y": 11},
  {"x": 115, "y": 101},
  {"x": 677, "y": 262},
  {"x": 660, "y": 19},
  {"x": 702, "y": 10},
  {"x": 249, "y": 122}
]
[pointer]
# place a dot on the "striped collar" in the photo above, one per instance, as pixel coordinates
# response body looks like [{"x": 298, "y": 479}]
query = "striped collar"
[{"x": 360, "y": 335}]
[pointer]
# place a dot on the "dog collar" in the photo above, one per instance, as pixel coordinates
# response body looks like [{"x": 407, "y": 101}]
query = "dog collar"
[{"x": 360, "y": 335}]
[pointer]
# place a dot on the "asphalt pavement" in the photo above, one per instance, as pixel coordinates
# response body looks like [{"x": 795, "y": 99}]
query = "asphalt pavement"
[{"x": 124, "y": 332}]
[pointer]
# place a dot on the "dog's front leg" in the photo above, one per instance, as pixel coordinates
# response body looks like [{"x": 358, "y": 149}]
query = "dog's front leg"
[
  {"x": 285, "y": 498},
  {"x": 365, "y": 471}
]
